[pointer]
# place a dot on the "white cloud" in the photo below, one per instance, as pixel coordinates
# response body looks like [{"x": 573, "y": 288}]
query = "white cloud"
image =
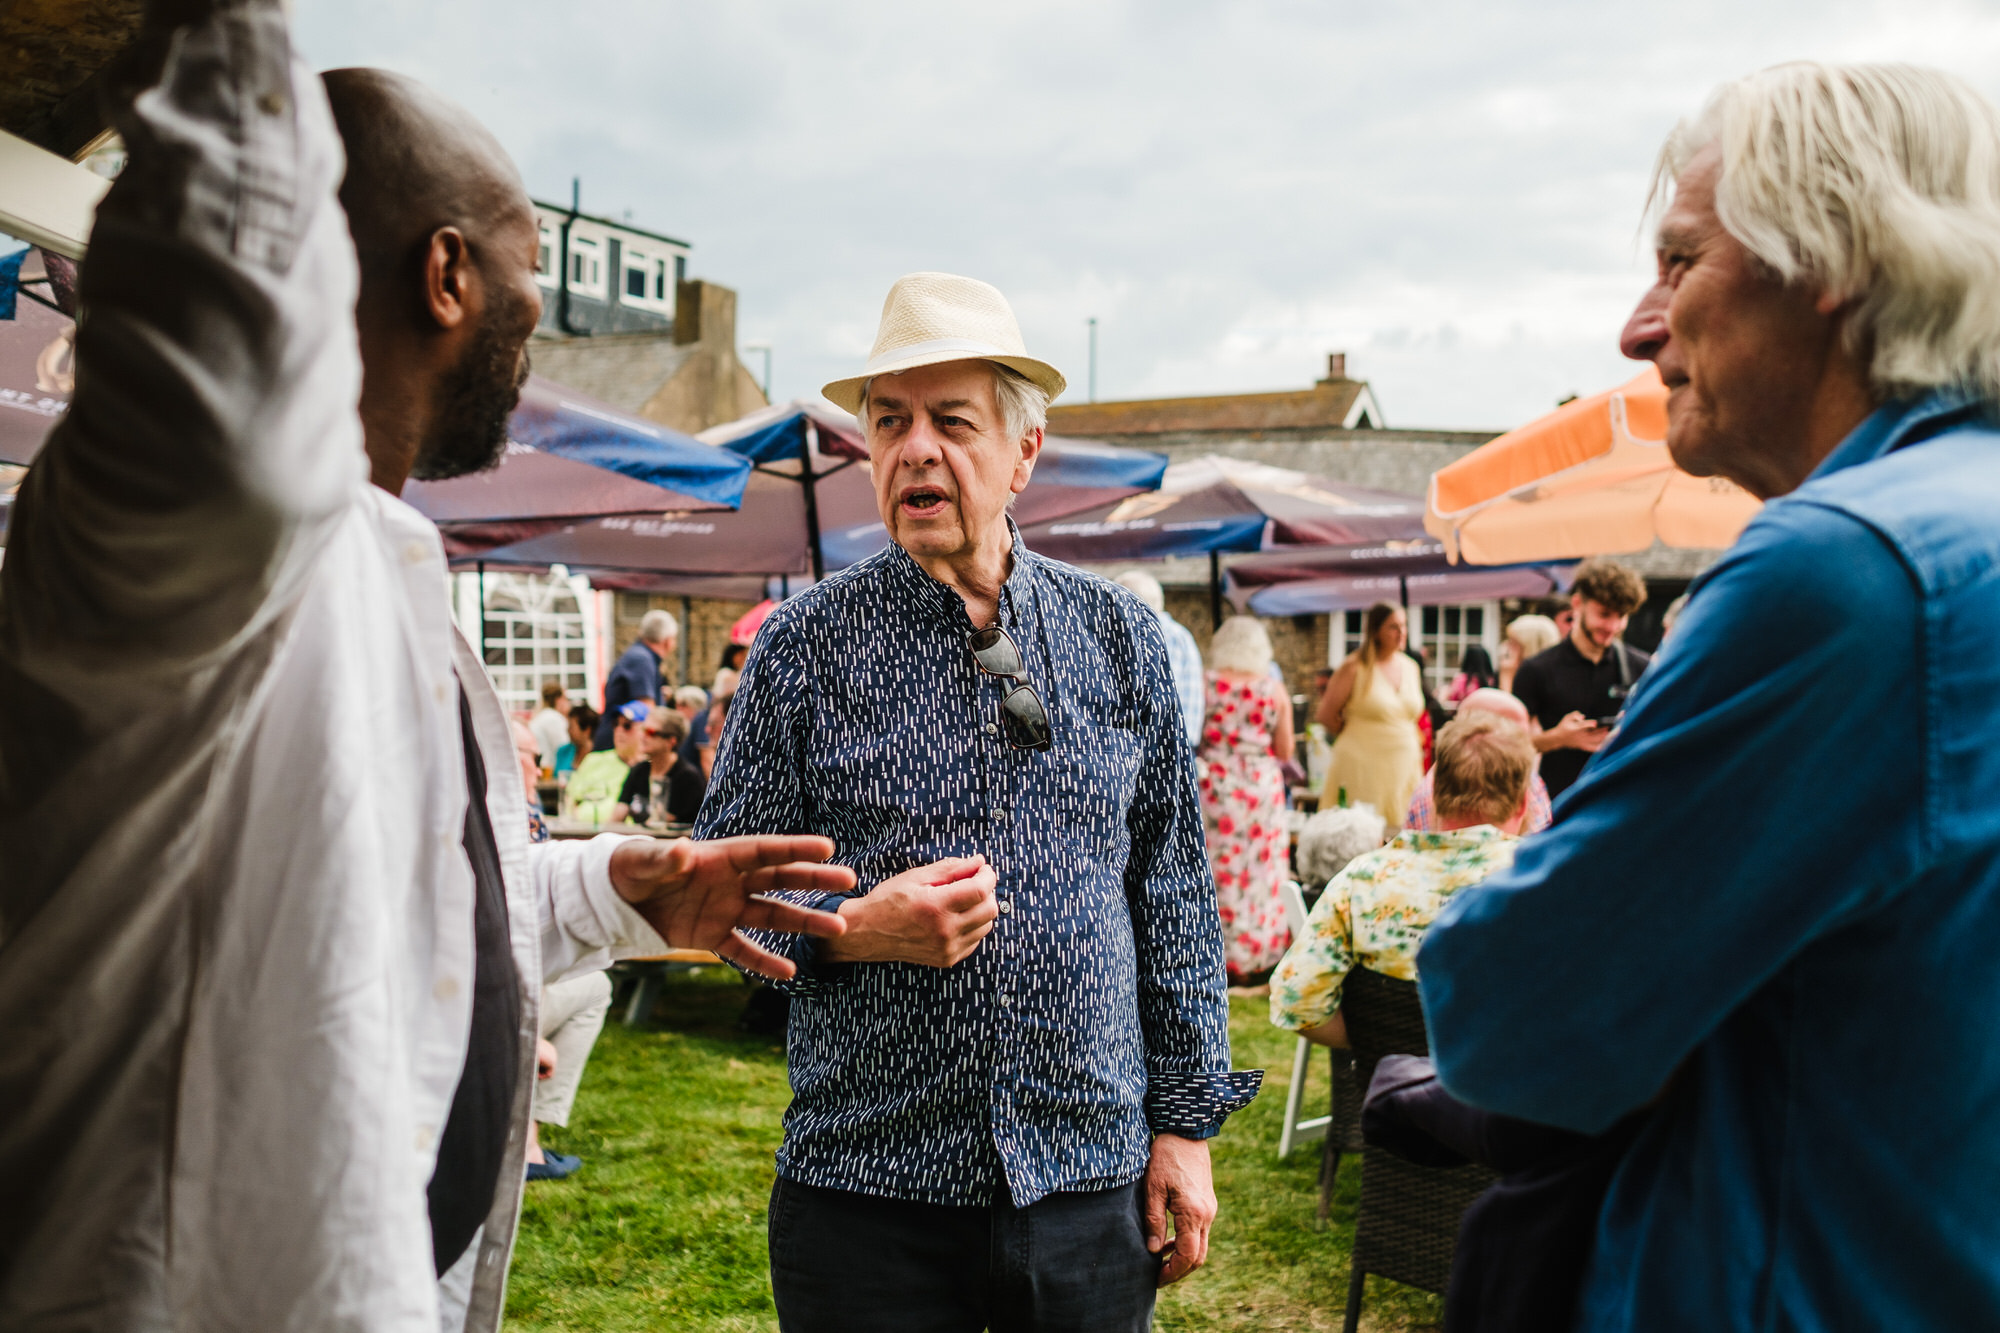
[{"x": 1449, "y": 192}]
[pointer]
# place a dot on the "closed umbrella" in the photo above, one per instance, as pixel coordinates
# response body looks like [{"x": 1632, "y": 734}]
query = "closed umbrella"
[{"x": 1592, "y": 478}]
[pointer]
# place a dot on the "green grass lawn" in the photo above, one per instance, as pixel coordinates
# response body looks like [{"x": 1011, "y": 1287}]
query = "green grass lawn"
[{"x": 664, "y": 1226}]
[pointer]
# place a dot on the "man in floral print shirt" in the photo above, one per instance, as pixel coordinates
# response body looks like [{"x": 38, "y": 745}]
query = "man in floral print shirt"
[{"x": 1375, "y": 912}]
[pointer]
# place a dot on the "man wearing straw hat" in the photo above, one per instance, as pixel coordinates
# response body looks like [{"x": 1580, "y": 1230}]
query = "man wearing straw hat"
[{"x": 1006, "y": 1074}]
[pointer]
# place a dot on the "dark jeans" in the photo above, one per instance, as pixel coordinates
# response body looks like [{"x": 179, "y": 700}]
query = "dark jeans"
[{"x": 843, "y": 1261}]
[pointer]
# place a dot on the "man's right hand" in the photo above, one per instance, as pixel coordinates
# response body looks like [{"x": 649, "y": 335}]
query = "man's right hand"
[
  {"x": 934, "y": 915},
  {"x": 1575, "y": 732}
]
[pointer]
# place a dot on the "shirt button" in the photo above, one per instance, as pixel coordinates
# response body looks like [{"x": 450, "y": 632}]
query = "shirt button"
[
  {"x": 1006, "y": 999},
  {"x": 993, "y": 728},
  {"x": 1006, "y": 906},
  {"x": 414, "y": 553},
  {"x": 446, "y": 988},
  {"x": 999, "y": 815},
  {"x": 425, "y": 1136}
]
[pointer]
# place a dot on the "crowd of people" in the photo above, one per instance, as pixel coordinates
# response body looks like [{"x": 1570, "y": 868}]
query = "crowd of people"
[{"x": 285, "y": 1022}]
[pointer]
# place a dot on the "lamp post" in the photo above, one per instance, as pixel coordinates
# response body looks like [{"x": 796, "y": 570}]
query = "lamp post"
[
  {"x": 1093, "y": 358},
  {"x": 765, "y": 348}
]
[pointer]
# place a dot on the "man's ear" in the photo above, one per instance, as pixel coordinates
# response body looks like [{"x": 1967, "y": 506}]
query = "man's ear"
[
  {"x": 449, "y": 278},
  {"x": 1031, "y": 449}
]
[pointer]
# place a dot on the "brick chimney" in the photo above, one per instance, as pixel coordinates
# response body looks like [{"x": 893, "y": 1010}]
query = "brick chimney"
[{"x": 1336, "y": 366}]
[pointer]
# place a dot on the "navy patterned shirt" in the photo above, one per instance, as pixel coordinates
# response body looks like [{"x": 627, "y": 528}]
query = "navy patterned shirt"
[{"x": 1094, "y": 1015}]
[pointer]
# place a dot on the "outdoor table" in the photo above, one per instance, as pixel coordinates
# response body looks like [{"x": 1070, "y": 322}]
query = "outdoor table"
[
  {"x": 571, "y": 829},
  {"x": 649, "y": 973}
]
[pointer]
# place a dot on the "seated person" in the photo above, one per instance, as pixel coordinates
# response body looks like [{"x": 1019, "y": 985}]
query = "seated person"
[
  {"x": 691, "y": 702},
  {"x": 1375, "y": 912},
  {"x": 582, "y": 723},
  {"x": 593, "y": 789},
  {"x": 528, "y": 750},
  {"x": 550, "y": 724},
  {"x": 1331, "y": 839},
  {"x": 571, "y": 1015},
  {"x": 663, "y": 787},
  {"x": 1423, "y": 804}
]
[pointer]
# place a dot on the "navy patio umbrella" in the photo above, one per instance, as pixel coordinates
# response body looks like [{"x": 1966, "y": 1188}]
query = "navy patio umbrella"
[{"x": 790, "y": 527}]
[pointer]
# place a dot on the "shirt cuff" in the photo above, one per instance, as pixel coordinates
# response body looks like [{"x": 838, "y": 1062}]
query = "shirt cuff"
[
  {"x": 816, "y": 975},
  {"x": 615, "y": 925},
  {"x": 1193, "y": 1106}
]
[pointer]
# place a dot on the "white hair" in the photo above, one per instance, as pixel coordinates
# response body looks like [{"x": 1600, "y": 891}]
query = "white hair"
[
  {"x": 690, "y": 696},
  {"x": 1024, "y": 404},
  {"x": 1143, "y": 586},
  {"x": 659, "y": 626},
  {"x": 1332, "y": 838},
  {"x": 1876, "y": 183},
  {"x": 1241, "y": 645}
]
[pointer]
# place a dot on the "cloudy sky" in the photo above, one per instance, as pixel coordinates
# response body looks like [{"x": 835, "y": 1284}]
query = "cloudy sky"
[{"x": 1451, "y": 192}]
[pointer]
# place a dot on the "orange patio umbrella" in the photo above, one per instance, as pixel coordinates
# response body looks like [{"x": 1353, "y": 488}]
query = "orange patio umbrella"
[{"x": 1591, "y": 478}]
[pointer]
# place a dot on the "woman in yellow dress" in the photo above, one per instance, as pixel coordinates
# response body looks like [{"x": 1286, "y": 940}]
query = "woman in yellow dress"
[{"x": 1370, "y": 708}]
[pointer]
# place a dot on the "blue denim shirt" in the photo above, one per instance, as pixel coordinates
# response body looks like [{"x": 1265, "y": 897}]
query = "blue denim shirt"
[
  {"x": 1094, "y": 1015},
  {"x": 1774, "y": 901}
]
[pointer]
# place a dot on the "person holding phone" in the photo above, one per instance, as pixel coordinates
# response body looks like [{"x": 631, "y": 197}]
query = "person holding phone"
[{"x": 1576, "y": 690}]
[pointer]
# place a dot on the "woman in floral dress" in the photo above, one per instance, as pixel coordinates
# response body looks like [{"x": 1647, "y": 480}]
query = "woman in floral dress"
[{"x": 1246, "y": 734}]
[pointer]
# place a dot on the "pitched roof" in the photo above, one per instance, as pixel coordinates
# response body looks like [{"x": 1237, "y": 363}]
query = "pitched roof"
[
  {"x": 1336, "y": 404},
  {"x": 623, "y": 369}
]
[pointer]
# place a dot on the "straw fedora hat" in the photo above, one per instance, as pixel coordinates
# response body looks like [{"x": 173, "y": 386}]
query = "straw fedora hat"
[{"x": 934, "y": 317}]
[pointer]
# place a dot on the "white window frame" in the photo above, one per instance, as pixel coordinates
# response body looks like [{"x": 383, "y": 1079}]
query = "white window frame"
[
  {"x": 586, "y": 265},
  {"x": 550, "y": 242},
  {"x": 525, "y": 613},
  {"x": 1442, "y": 647}
]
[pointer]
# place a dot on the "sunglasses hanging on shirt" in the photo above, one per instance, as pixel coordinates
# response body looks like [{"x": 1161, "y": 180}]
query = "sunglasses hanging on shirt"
[{"x": 1021, "y": 712}]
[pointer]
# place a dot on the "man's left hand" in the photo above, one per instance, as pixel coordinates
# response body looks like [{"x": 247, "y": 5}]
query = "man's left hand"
[
  {"x": 701, "y": 895},
  {"x": 1179, "y": 1182}
]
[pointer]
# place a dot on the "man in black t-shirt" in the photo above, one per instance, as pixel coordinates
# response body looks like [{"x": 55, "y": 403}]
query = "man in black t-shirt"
[{"x": 1576, "y": 689}]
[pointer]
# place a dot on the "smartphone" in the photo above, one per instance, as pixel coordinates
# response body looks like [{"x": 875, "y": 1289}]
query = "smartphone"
[{"x": 1607, "y": 722}]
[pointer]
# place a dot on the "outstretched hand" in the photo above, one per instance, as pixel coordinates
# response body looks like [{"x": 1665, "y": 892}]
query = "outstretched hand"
[{"x": 702, "y": 895}]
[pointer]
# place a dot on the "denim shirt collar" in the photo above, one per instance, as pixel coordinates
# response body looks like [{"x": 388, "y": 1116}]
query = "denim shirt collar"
[{"x": 1898, "y": 422}]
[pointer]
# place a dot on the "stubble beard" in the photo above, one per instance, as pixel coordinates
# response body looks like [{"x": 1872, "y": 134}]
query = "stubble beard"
[{"x": 476, "y": 401}]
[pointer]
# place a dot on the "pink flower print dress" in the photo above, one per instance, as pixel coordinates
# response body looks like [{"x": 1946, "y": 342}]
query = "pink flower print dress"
[{"x": 1243, "y": 814}]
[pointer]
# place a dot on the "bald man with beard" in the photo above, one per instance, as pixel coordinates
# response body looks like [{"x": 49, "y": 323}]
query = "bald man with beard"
[{"x": 271, "y": 1014}]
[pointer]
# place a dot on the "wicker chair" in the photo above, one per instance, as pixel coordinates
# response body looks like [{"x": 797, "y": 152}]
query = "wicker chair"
[
  {"x": 1408, "y": 1224},
  {"x": 1343, "y": 1131}
]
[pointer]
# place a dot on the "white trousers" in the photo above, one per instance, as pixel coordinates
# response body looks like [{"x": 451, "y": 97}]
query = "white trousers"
[{"x": 572, "y": 1015}]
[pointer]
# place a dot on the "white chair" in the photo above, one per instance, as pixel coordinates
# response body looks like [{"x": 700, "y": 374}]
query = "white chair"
[{"x": 1298, "y": 1130}]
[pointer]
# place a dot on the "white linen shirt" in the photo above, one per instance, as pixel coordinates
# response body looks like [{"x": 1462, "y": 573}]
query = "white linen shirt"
[{"x": 236, "y": 916}]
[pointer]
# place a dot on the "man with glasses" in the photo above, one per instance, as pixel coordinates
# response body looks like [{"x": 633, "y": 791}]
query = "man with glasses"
[{"x": 1023, "y": 1031}]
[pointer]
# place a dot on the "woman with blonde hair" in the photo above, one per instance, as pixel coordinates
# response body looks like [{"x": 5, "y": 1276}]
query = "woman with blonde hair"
[
  {"x": 1245, "y": 735},
  {"x": 1370, "y": 708},
  {"x": 1526, "y": 636}
]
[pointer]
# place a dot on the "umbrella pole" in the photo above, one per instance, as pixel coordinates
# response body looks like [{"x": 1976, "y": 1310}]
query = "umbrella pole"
[
  {"x": 806, "y": 439},
  {"x": 1215, "y": 589},
  {"x": 687, "y": 632},
  {"x": 1404, "y": 581},
  {"x": 482, "y": 613}
]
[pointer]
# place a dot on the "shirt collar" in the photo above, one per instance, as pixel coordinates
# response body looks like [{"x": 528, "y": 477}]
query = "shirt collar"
[
  {"x": 941, "y": 599},
  {"x": 1447, "y": 840},
  {"x": 1896, "y": 423}
]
